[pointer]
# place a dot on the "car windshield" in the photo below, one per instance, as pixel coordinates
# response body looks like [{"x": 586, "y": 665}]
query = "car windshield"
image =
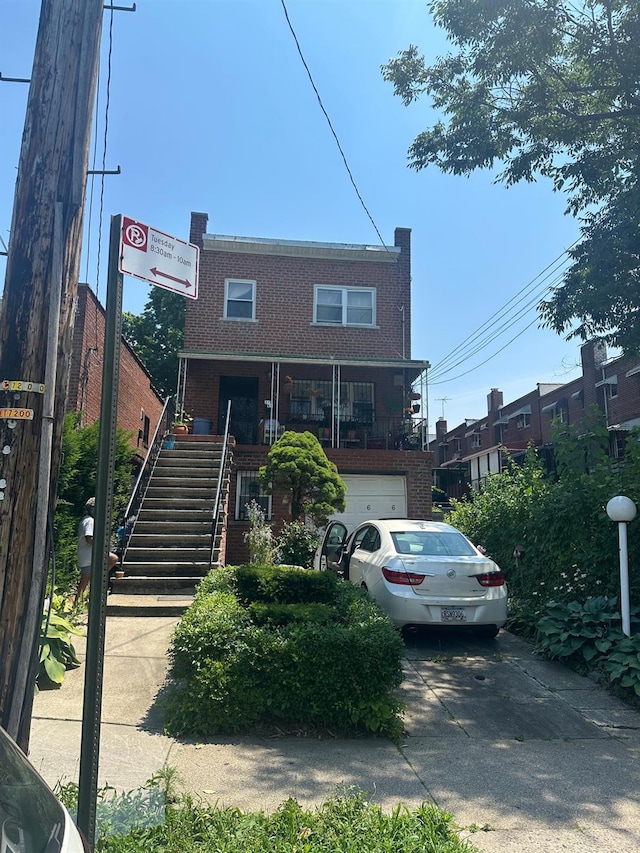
[
  {"x": 31, "y": 819},
  {"x": 433, "y": 543}
]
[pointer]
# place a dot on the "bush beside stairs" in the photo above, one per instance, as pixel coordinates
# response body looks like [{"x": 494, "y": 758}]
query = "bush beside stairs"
[{"x": 170, "y": 546}]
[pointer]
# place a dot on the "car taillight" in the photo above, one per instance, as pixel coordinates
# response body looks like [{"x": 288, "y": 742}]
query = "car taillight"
[
  {"x": 491, "y": 579},
  {"x": 406, "y": 578}
]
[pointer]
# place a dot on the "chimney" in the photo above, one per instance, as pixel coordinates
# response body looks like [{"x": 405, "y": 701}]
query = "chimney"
[{"x": 494, "y": 401}]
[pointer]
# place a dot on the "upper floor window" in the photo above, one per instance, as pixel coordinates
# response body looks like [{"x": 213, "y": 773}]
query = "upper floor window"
[
  {"x": 239, "y": 299},
  {"x": 523, "y": 420},
  {"x": 476, "y": 440},
  {"x": 345, "y": 306}
]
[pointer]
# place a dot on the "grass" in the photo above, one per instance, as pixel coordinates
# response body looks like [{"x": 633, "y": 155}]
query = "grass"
[{"x": 345, "y": 823}]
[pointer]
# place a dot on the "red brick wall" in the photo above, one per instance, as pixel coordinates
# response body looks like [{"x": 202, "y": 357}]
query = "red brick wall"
[
  {"x": 284, "y": 304},
  {"x": 135, "y": 394},
  {"x": 415, "y": 466}
]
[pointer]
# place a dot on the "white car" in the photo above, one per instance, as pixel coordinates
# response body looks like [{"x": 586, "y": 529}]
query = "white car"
[
  {"x": 32, "y": 819},
  {"x": 419, "y": 572}
]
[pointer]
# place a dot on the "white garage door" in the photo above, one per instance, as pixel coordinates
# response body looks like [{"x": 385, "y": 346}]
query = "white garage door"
[{"x": 372, "y": 496}]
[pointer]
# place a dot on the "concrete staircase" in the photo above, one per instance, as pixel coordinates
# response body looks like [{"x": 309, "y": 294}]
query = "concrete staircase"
[{"x": 170, "y": 547}]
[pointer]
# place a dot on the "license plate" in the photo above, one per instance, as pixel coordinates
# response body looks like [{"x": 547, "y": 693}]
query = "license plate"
[{"x": 453, "y": 614}]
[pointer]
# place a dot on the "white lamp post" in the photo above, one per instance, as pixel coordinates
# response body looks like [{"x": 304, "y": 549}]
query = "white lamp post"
[{"x": 623, "y": 510}]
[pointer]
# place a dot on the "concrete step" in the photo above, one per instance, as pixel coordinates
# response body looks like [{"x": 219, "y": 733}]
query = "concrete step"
[
  {"x": 142, "y": 569},
  {"x": 166, "y": 536},
  {"x": 172, "y": 459},
  {"x": 166, "y": 527},
  {"x": 153, "y": 583},
  {"x": 162, "y": 604},
  {"x": 161, "y": 554}
]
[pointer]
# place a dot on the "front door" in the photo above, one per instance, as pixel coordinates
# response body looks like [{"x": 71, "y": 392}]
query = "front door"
[{"x": 243, "y": 393}]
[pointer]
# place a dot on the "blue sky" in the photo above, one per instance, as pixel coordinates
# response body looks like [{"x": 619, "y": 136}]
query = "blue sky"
[{"x": 211, "y": 110}]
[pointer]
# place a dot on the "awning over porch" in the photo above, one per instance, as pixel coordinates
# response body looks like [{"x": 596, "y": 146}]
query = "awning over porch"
[{"x": 290, "y": 358}]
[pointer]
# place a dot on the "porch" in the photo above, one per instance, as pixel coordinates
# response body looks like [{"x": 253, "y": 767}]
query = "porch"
[{"x": 350, "y": 404}]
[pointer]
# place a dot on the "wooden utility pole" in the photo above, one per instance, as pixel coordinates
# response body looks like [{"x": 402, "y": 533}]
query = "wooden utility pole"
[{"x": 44, "y": 255}]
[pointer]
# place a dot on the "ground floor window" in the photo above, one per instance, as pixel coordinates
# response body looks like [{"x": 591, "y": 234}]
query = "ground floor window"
[{"x": 248, "y": 489}]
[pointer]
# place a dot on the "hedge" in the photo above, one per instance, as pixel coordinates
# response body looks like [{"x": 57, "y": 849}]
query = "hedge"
[{"x": 287, "y": 647}]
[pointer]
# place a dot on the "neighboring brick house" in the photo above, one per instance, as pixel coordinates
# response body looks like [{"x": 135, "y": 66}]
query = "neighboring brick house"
[
  {"x": 307, "y": 336},
  {"x": 467, "y": 454},
  {"x": 139, "y": 406}
]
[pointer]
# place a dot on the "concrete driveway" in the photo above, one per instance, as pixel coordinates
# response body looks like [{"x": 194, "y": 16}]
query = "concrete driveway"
[{"x": 526, "y": 755}]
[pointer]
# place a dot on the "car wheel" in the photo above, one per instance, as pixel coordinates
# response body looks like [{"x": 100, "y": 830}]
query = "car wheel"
[{"x": 486, "y": 632}]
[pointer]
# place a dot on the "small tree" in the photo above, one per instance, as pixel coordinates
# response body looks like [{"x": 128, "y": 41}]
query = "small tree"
[{"x": 297, "y": 464}]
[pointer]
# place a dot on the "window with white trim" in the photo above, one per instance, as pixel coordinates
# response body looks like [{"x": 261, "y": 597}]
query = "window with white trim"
[
  {"x": 476, "y": 440},
  {"x": 523, "y": 421},
  {"x": 344, "y": 306},
  {"x": 239, "y": 299},
  {"x": 248, "y": 488}
]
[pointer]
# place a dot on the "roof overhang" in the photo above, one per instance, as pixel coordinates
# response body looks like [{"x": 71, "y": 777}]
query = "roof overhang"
[
  {"x": 289, "y": 358},
  {"x": 634, "y": 370},
  {"x": 509, "y": 416},
  {"x": 609, "y": 380},
  {"x": 300, "y": 248},
  {"x": 625, "y": 426},
  {"x": 557, "y": 404}
]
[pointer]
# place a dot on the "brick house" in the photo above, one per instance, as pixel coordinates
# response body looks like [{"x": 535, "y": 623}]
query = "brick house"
[
  {"x": 307, "y": 336},
  {"x": 467, "y": 454},
  {"x": 139, "y": 406}
]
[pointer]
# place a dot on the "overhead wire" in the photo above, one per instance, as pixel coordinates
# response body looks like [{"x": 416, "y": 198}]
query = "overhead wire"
[
  {"x": 331, "y": 128},
  {"x": 462, "y": 348},
  {"x": 497, "y": 331}
]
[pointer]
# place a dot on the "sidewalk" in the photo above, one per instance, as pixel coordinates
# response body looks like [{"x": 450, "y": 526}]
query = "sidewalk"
[{"x": 540, "y": 757}]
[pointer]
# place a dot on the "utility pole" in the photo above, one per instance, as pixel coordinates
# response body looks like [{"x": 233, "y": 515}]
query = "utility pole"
[{"x": 42, "y": 267}]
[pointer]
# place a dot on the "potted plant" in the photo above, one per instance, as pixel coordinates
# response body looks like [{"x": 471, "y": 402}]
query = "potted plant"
[{"x": 181, "y": 422}]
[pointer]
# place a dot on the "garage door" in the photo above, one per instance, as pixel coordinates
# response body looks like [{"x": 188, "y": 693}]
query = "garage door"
[{"x": 372, "y": 496}]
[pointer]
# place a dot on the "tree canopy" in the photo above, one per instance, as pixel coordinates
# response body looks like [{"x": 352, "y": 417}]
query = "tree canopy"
[
  {"x": 298, "y": 465},
  {"x": 546, "y": 88},
  {"x": 156, "y": 336}
]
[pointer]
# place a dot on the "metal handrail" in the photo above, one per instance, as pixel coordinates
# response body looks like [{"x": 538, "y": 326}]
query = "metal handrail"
[
  {"x": 144, "y": 476},
  {"x": 223, "y": 467}
]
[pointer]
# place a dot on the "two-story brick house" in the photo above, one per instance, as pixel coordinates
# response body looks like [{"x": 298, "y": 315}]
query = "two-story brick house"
[{"x": 307, "y": 336}]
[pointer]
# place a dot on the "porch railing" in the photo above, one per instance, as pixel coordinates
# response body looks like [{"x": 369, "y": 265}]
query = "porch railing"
[
  {"x": 217, "y": 521},
  {"x": 393, "y": 433}
]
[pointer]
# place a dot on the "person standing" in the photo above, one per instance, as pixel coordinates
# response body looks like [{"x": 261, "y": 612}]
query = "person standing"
[{"x": 85, "y": 548}]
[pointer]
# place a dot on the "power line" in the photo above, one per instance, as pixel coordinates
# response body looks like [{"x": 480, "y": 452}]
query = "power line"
[
  {"x": 523, "y": 293},
  {"x": 497, "y": 352},
  {"x": 335, "y": 135},
  {"x": 499, "y": 330}
]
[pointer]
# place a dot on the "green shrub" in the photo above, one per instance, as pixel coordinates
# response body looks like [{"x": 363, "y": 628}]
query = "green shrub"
[
  {"x": 285, "y": 614},
  {"x": 233, "y": 674},
  {"x": 580, "y": 632},
  {"x": 259, "y": 537},
  {"x": 623, "y": 664},
  {"x": 284, "y": 585},
  {"x": 346, "y": 822},
  {"x": 57, "y": 653},
  {"x": 296, "y": 544}
]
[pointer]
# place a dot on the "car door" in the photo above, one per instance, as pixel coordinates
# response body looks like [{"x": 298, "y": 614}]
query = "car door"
[
  {"x": 360, "y": 555},
  {"x": 330, "y": 552}
]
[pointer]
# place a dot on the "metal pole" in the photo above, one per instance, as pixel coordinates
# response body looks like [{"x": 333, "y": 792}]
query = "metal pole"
[
  {"x": 93, "y": 677},
  {"x": 624, "y": 578}
]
